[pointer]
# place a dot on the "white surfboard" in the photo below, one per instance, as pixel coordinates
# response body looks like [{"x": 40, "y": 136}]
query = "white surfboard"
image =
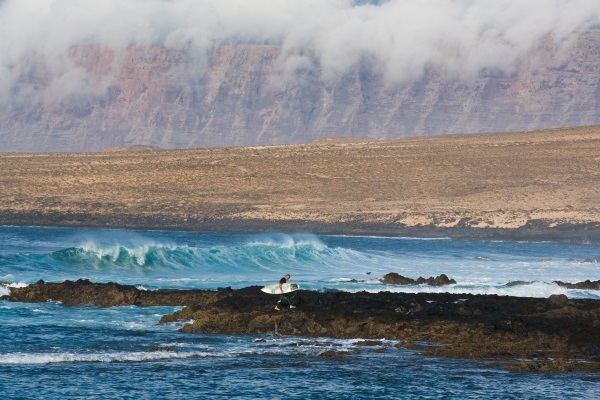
[{"x": 287, "y": 288}]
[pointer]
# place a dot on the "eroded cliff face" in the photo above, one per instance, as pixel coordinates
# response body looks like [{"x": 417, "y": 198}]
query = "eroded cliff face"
[{"x": 237, "y": 96}]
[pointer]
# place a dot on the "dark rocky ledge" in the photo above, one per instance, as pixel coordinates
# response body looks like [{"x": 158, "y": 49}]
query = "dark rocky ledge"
[
  {"x": 396, "y": 279},
  {"x": 532, "y": 334}
]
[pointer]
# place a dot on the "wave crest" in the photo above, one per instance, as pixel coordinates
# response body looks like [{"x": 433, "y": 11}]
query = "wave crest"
[{"x": 262, "y": 252}]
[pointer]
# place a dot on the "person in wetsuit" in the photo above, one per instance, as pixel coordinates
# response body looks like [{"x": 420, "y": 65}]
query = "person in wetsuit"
[{"x": 284, "y": 299}]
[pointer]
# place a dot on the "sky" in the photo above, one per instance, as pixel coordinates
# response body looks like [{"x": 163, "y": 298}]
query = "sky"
[{"x": 401, "y": 38}]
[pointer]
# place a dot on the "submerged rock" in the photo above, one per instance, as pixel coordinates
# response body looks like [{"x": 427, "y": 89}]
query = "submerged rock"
[
  {"x": 164, "y": 348},
  {"x": 338, "y": 355}
]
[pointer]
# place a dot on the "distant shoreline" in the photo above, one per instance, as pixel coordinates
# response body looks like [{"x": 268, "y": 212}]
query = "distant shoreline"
[
  {"x": 532, "y": 186},
  {"x": 533, "y": 231}
]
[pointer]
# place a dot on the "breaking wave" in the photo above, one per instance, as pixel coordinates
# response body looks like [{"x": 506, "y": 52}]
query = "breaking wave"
[
  {"x": 264, "y": 253},
  {"x": 158, "y": 260}
]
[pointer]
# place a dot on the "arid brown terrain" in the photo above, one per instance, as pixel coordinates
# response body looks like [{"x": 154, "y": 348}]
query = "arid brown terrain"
[{"x": 534, "y": 185}]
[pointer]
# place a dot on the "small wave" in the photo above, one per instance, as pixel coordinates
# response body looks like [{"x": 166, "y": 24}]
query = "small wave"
[
  {"x": 55, "y": 358},
  {"x": 411, "y": 238}
]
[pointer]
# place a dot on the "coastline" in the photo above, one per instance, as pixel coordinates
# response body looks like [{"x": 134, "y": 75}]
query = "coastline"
[
  {"x": 531, "y": 186},
  {"x": 517, "y": 333},
  {"x": 534, "y": 186},
  {"x": 533, "y": 230}
]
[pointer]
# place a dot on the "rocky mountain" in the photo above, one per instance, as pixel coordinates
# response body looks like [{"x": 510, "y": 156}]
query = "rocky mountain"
[{"x": 160, "y": 97}]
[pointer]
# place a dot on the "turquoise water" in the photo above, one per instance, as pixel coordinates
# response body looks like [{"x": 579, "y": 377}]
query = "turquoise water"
[{"x": 51, "y": 351}]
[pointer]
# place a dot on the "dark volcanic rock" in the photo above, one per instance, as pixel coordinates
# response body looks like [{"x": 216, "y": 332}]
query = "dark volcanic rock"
[
  {"x": 555, "y": 334},
  {"x": 518, "y": 283},
  {"x": 441, "y": 280},
  {"x": 81, "y": 292},
  {"x": 558, "y": 300},
  {"x": 586, "y": 285},
  {"x": 395, "y": 279}
]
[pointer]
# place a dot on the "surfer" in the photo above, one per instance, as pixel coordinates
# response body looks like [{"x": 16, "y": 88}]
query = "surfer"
[{"x": 284, "y": 299}]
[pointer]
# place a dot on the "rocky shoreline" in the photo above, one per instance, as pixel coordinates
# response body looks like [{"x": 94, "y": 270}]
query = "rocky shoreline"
[
  {"x": 533, "y": 230},
  {"x": 531, "y": 334}
]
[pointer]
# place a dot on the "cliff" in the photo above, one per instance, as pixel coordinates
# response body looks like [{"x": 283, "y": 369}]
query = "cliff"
[{"x": 167, "y": 98}]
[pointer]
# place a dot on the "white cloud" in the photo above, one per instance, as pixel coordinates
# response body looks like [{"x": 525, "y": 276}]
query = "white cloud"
[{"x": 402, "y": 37}]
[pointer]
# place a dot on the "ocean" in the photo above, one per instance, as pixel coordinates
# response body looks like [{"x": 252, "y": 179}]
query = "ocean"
[{"x": 49, "y": 351}]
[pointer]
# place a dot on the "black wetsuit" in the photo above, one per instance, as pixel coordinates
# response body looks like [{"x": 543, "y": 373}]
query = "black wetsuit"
[{"x": 284, "y": 299}]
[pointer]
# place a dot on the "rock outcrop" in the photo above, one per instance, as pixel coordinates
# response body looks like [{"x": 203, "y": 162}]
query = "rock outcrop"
[
  {"x": 396, "y": 279},
  {"x": 153, "y": 97},
  {"x": 554, "y": 334},
  {"x": 586, "y": 285}
]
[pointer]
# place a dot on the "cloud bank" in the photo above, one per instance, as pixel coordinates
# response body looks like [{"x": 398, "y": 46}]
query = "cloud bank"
[{"x": 402, "y": 38}]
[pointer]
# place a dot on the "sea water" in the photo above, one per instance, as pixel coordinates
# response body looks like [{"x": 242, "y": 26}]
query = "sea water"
[{"x": 51, "y": 351}]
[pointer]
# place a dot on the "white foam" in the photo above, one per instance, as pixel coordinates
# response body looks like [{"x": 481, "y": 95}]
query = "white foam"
[
  {"x": 18, "y": 285},
  {"x": 53, "y": 358},
  {"x": 4, "y": 291},
  {"x": 288, "y": 241},
  {"x": 534, "y": 289},
  {"x": 137, "y": 251}
]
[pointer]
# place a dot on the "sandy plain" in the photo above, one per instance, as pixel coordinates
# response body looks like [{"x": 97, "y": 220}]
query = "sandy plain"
[{"x": 528, "y": 185}]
